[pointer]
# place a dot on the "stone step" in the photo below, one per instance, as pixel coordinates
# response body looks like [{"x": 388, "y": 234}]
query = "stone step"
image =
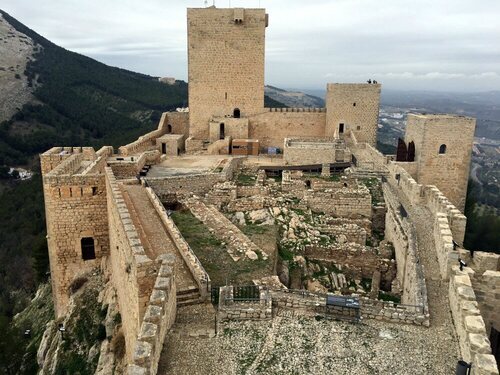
[
  {"x": 190, "y": 301},
  {"x": 188, "y": 290}
]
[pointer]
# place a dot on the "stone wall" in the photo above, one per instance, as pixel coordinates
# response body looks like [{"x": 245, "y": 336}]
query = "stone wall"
[
  {"x": 130, "y": 166},
  {"x": 345, "y": 202},
  {"x": 195, "y": 267},
  {"x": 159, "y": 317},
  {"x": 75, "y": 208},
  {"x": 351, "y": 232},
  {"x": 359, "y": 261},
  {"x": 449, "y": 223},
  {"x": 302, "y": 151},
  {"x": 271, "y": 128},
  {"x": 402, "y": 234},
  {"x": 170, "y": 122},
  {"x": 226, "y": 64},
  {"x": 231, "y": 309},
  {"x": 185, "y": 185},
  {"x": 132, "y": 272},
  {"x": 236, "y": 128},
  {"x": 356, "y": 106},
  {"x": 449, "y": 170},
  {"x": 469, "y": 325}
]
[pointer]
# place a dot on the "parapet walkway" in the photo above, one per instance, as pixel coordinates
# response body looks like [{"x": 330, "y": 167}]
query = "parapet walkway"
[
  {"x": 156, "y": 240},
  {"x": 441, "y": 321},
  {"x": 238, "y": 244}
]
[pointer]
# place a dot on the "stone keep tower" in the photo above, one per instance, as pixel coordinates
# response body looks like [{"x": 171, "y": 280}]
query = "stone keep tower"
[
  {"x": 75, "y": 197},
  {"x": 443, "y": 147},
  {"x": 353, "y": 107},
  {"x": 226, "y": 64}
]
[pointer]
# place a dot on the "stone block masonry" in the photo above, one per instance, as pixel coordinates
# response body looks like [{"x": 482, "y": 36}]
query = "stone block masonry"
[
  {"x": 133, "y": 273},
  {"x": 353, "y": 108},
  {"x": 226, "y": 64},
  {"x": 197, "y": 271},
  {"x": 232, "y": 309},
  {"x": 75, "y": 208},
  {"x": 469, "y": 325},
  {"x": 443, "y": 147},
  {"x": 158, "y": 319}
]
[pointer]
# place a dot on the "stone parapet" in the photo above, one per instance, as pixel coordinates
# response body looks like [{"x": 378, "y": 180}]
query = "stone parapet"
[
  {"x": 158, "y": 318},
  {"x": 469, "y": 325},
  {"x": 132, "y": 271},
  {"x": 195, "y": 267}
]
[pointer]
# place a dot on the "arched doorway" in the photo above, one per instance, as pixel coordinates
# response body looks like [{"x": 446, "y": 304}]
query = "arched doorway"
[{"x": 236, "y": 113}]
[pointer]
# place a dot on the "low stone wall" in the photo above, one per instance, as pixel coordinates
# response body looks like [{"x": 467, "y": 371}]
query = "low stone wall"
[
  {"x": 197, "y": 271},
  {"x": 246, "y": 204},
  {"x": 469, "y": 325},
  {"x": 231, "y": 309},
  {"x": 352, "y": 232},
  {"x": 199, "y": 184},
  {"x": 131, "y": 166},
  {"x": 402, "y": 234},
  {"x": 344, "y": 202},
  {"x": 159, "y": 317},
  {"x": 394, "y": 312},
  {"x": 359, "y": 261}
]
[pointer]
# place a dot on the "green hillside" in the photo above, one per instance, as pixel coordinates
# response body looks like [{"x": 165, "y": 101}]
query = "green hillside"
[{"x": 80, "y": 102}]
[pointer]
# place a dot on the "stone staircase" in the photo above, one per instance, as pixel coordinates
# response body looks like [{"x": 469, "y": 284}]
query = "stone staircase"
[
  {"x": 188, "y": 296},
  {"x": 237, "y": 243}
]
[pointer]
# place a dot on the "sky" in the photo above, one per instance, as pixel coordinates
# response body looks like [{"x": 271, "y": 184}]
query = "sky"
[{"x": 438, "y": 45}]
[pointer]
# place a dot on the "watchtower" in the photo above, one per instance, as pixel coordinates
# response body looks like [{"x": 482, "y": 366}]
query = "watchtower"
[
  {"x": 353, "y": 107},
  {"x": 443, "y": 147},
  {"x": 75, "y": 196},
  {"x": 226, "y": 65}
]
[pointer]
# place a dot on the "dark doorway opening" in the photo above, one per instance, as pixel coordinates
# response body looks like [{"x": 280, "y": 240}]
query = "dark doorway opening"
[
  {"x": 308, "y": 184},
  {"x": 442, "y": 149},
  {"x": 163, "y": 148},
  {"x": 411, "y": 151},
  {"x": 221, "y": 131},
  {"x": 341, "y": 128},
  {"x": 178, "y": 151},
  {"x": 495, "y": 344},
  {"x": 88, "y": 248},
  {"x": 236, "y": 113},
  {"x": 169, "y": 128}
]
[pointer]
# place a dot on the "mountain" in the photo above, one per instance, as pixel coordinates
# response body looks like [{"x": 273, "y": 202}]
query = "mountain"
[
  {"x": 293, "y": 98},
  {"x": 51, "y": 96}
]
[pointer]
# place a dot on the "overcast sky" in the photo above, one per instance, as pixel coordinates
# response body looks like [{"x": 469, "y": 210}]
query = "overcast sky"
[{"x": 449, "y": 45}]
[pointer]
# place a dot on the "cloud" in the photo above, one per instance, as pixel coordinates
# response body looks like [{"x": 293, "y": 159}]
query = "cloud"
[{"x": 405, "y": 44}]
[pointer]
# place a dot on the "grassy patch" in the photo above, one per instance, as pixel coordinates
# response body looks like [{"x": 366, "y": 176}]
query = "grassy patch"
[
  {"x": 383, "y": 296},
  {"x": 246, "y": 180},
  {"x": 214, "y": 256}
]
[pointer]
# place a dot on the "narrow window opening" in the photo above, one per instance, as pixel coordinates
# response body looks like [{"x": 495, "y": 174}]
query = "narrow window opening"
[
  {"x": 341, "y": 128},
  {"x": 358, "y": 127},
  {"x": 354, "y": 104},
  {"x": 442, "y": 149},
  {"x": 163, "y": 148},
  {"x": 221, "y": 131},
  {"x": 94, "y": 190},
  {"x": 88, "y": 248},
  {"x": 308, "y": 184},
  {"x": 226, "y": 95},
  {"x": 169, "y": 128}
]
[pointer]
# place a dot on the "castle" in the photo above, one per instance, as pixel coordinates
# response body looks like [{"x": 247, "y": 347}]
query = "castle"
[{"x": 111, "y": 210}]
